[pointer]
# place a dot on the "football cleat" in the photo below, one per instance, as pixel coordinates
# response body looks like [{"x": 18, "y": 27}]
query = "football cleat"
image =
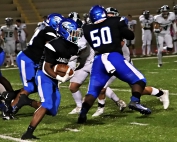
[
  {"x": 138, "y": 107},
  {"x": 28, "y": 136},
  {"x": 99, "y": 112},
  {"x": 82, "y": 118},
  {"x": 121, "y": 104},
  {"x": 7, "y": 116},
  {"x": 75, "y": 110},
  {"x": 159, "y": 65},
  {"x": 165, "y": 99}
]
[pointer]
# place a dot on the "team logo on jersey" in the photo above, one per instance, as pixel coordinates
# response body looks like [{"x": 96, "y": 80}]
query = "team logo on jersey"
[{"x": 62, "y": 60}]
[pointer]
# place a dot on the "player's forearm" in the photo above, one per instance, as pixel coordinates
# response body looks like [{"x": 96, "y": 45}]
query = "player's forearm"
[{"x": 48, "y": 69}]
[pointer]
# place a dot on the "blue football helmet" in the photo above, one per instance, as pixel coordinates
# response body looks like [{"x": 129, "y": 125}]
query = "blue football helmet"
[
  {"x": 53, "y": 20},
  {"x": 68, "y": 29},
  {"x": 97, "y": 13}
]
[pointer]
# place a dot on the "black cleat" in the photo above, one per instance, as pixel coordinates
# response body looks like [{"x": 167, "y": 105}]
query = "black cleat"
[
  {"x": 28, "y": 136},
  {"x": 7, "y": 116},
  {"x": 138, "y": 107},
  {"x": 82, "y": 118}
]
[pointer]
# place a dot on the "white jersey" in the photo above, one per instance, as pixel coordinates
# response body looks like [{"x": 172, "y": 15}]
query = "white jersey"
[
  {"x": 9, "y": 32},
  {"x": 146, "y": 23},
  {"x": 165, "y": 24},
  {"x": 131, "y": 24},
  {"x": 21, "y": 33}
]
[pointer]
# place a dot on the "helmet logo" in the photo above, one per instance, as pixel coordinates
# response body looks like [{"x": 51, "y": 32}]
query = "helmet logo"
[
  {"x": 66, "y": 25},
  {"x": 57, "y": 19}
]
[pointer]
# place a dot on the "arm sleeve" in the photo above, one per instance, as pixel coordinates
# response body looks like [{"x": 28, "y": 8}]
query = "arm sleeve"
[{"x": 49, "y": 54}]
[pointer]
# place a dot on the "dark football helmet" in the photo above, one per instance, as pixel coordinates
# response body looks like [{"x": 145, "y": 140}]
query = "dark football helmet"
[
  {"x": 8, "y": 21},
  {"x": 165, "y": 11},
  {"x": 175, "y": 9},
  {"x": 146, "y": 14},
  {"x": 73, "y": 15},
  {"x": 111, "y": 10}
]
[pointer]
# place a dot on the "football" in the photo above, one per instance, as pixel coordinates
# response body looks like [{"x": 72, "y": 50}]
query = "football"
[{"x": 61, "y": 69}]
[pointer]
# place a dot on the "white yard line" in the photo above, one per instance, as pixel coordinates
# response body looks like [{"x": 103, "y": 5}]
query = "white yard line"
[
  {"x": 141, "y": 124},
  {"x": 13, "y": 139},
  {"x": 4, "y": 69},
  {"x": 144, "y": 58}
]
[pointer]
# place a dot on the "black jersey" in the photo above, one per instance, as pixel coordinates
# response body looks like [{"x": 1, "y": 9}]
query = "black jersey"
[
  {"x": 107, "y": 36},
  {"x": 36, "y": 45},
  {"x": 58, "y": 51}
]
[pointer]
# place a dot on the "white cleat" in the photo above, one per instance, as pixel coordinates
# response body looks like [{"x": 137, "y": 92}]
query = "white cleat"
[
  {"x": 165, "y": 99},
  {"x": 121, "y": 104},
  {"x": 75, "y": 110},
  {"x": 99, "y": 112}
]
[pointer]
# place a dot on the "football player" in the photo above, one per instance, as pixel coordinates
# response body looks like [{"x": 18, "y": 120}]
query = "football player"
[
  {"x": 162, "y": 24},
  {"x": 41, "y": 25},
  {"x": 57, "y": 51},
  {"x": 146, "y": 24},
  {"x": 9, "y": 36},
  {"x": 22, "y": 34},
  {"x": 105, "y": 39},
  {"x": 175, "y": 35},
  {"x": 28, "y": 60},
  {"x": 131, "y": 25},
  {"x": 163, "y": 94},
  {"x": 85, "y": 58}
]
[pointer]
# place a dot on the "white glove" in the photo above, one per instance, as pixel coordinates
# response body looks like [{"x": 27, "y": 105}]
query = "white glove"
[{"x": 66, "y": 77}]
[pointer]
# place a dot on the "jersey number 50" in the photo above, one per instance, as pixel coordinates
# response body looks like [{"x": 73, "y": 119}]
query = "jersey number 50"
[{"x": 105, "y": 37}]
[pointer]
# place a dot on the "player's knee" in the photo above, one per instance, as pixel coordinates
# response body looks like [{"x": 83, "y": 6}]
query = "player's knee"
[
  {"x": 73, "y": 87},
  {"x": 47, "y": 104},
  {"x": 141, "y": 83}
]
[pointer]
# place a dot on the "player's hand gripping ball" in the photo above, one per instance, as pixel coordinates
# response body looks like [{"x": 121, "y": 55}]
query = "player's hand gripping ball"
[{"x": 61, "y": 69}]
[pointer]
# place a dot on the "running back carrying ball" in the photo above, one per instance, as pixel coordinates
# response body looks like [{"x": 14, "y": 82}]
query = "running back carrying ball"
[{"x": 61, "y": 69}]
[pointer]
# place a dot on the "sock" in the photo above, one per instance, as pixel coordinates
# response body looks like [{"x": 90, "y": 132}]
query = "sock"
[
  {"x": 30, "y": 129},
  {"x": 175, "y": 46},
  {"x": 148, "y": 49},
  {"x": 160, "y": 93},
  {"x": 110, "y": 94},
  {"x": 101, "y": 103},
  {"x": 144, "y": 49},
  {"x": 135, "y": 97},
  {"x": 77, "y": 98},
  {"x": 11, "y": 59},
  {"x": 85, "y": 108},
  {"x": 159, "y": 56},
  {"x": 154, "y": 91},
  {"x": 134, "y": 51}
]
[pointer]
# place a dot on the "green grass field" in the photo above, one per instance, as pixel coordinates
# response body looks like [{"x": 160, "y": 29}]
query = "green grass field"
[{"x": 112, "y": 126}]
